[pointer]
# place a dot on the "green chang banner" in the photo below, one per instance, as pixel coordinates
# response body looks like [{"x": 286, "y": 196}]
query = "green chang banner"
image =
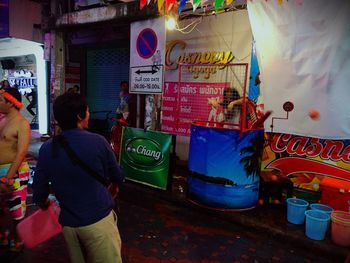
[{"x": 145, "y": 156}]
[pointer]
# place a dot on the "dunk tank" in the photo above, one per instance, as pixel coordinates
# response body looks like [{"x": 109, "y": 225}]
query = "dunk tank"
[{"x": 226, "y": 138}]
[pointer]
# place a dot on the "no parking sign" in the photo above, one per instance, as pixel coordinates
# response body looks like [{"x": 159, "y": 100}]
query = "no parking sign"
[
  {"x": 147, "y": 56},
  {"x": 146, "y": 43}
]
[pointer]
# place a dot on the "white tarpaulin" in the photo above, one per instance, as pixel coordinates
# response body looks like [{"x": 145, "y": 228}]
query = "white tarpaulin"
[{"x": 304, "y": 57}]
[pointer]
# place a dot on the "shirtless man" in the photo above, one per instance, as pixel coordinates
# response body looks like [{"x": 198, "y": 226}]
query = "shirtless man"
[{"x": 14, "y": 142}]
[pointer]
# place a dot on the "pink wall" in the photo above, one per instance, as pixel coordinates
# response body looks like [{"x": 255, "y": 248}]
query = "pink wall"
[{"x": 23, "y": 14}]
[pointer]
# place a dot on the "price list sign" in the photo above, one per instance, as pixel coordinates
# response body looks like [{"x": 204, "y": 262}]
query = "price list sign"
[{"x": 188, "y": 102}]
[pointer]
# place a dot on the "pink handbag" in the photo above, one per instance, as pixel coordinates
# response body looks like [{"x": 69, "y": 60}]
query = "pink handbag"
[{"x": 40, "y": 226}]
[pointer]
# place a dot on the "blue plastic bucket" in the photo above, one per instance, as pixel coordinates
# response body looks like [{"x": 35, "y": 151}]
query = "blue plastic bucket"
[
  {"x": 323, "y": 208},
  {"x": 296, "y": 210},
  {"x": 316, "y": 224}
]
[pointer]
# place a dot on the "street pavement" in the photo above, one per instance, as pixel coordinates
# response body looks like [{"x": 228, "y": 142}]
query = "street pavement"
[
  {"x": 163, "y": 232},
  {"x": 156, "y": 230},
  {"x": 164, "y": 226},
  {"x": 268, "y": 220}
]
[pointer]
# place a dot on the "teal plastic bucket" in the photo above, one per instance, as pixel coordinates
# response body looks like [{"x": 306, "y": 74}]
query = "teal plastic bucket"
[
  {"x": 296, "y": 210},
  {"x": 316, "y": 224},
  {"x": 322, "y": 208}
]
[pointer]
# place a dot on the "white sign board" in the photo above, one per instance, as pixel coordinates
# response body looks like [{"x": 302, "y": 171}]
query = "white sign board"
[
  {"x": 147, "y": 56},
  {"x": 146, "y": 79}
]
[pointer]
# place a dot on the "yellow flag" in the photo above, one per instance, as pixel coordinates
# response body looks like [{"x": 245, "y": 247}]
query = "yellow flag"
[{"x": 161, "y": 6}]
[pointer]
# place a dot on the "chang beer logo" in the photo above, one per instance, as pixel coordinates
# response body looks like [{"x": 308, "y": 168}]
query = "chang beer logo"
[{"x": 144, "y": 152}]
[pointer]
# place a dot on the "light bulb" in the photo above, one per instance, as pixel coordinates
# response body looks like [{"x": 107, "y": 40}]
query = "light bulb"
[{"x": 170, "y": 23}]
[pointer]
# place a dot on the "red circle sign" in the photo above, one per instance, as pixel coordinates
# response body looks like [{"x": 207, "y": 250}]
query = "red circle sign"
[{"x": 146, "y": 43}]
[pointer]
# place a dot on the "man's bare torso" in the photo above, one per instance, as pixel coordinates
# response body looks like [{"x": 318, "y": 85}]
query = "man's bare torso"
[{"x": 9, "y": 138}]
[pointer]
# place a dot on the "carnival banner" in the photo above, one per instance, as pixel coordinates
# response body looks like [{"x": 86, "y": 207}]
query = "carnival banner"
[
  {"x": 306, "y": 161},
  {"x": 145, "y": 156},
  {"x": 303, "y": 52},
  {"x": 319, "y": 169}
]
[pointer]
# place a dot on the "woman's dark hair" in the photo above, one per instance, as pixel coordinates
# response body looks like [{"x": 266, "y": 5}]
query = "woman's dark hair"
[
  {"x": 124, "y": 86},
  {"x": 67, "y": 108},
  {"x": 230, "y": 94},
  {"x": 76, "y": 87}
]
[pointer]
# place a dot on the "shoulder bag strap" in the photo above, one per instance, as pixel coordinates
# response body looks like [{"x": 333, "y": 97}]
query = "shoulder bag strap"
[{"x": 76, "y": 160}]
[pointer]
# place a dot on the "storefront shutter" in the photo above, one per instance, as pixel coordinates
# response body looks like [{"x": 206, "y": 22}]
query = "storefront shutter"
[{"x": 106, "y": 68}]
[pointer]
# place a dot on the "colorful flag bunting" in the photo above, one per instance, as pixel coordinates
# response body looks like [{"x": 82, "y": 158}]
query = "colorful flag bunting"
[
  {"x": 143, "y": 3},
  {"x": 195, "y": 4},
  {"x": 204, "y": 3},
  {"x": 218, "y": 4},
  {"x": 182, "y": 5},
  {"x": 169, "y": 4},
  {"x": 160, "y": 6}
]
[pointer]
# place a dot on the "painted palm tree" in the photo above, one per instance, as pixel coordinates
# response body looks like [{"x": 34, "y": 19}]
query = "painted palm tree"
[
  {"x": 213, "y": 180},
  {"x": 252, "y": 162}
]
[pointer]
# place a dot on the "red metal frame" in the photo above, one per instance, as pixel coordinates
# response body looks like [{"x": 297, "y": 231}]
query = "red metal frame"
[{"x": 242, "y": 126}]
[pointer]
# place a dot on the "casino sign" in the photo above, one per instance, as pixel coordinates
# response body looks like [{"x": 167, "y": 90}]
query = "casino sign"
[{"x": 196, "y": 61}]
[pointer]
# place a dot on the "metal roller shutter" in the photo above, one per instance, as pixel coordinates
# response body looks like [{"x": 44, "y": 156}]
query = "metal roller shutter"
[{"x": 106, "y": 68}]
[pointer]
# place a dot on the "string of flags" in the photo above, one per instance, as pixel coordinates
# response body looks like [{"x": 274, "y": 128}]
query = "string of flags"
[{"x": 167, "y": 6}]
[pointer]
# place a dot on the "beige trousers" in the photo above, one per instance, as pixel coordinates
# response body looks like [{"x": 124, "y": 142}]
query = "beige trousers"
[{"x": 98, "y": 242}]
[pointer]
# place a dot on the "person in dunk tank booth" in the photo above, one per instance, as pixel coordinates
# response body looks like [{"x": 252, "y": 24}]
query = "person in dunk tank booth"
[
  {"x": 14, "y": 170},
  {"x": 232, "y": 104}
]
